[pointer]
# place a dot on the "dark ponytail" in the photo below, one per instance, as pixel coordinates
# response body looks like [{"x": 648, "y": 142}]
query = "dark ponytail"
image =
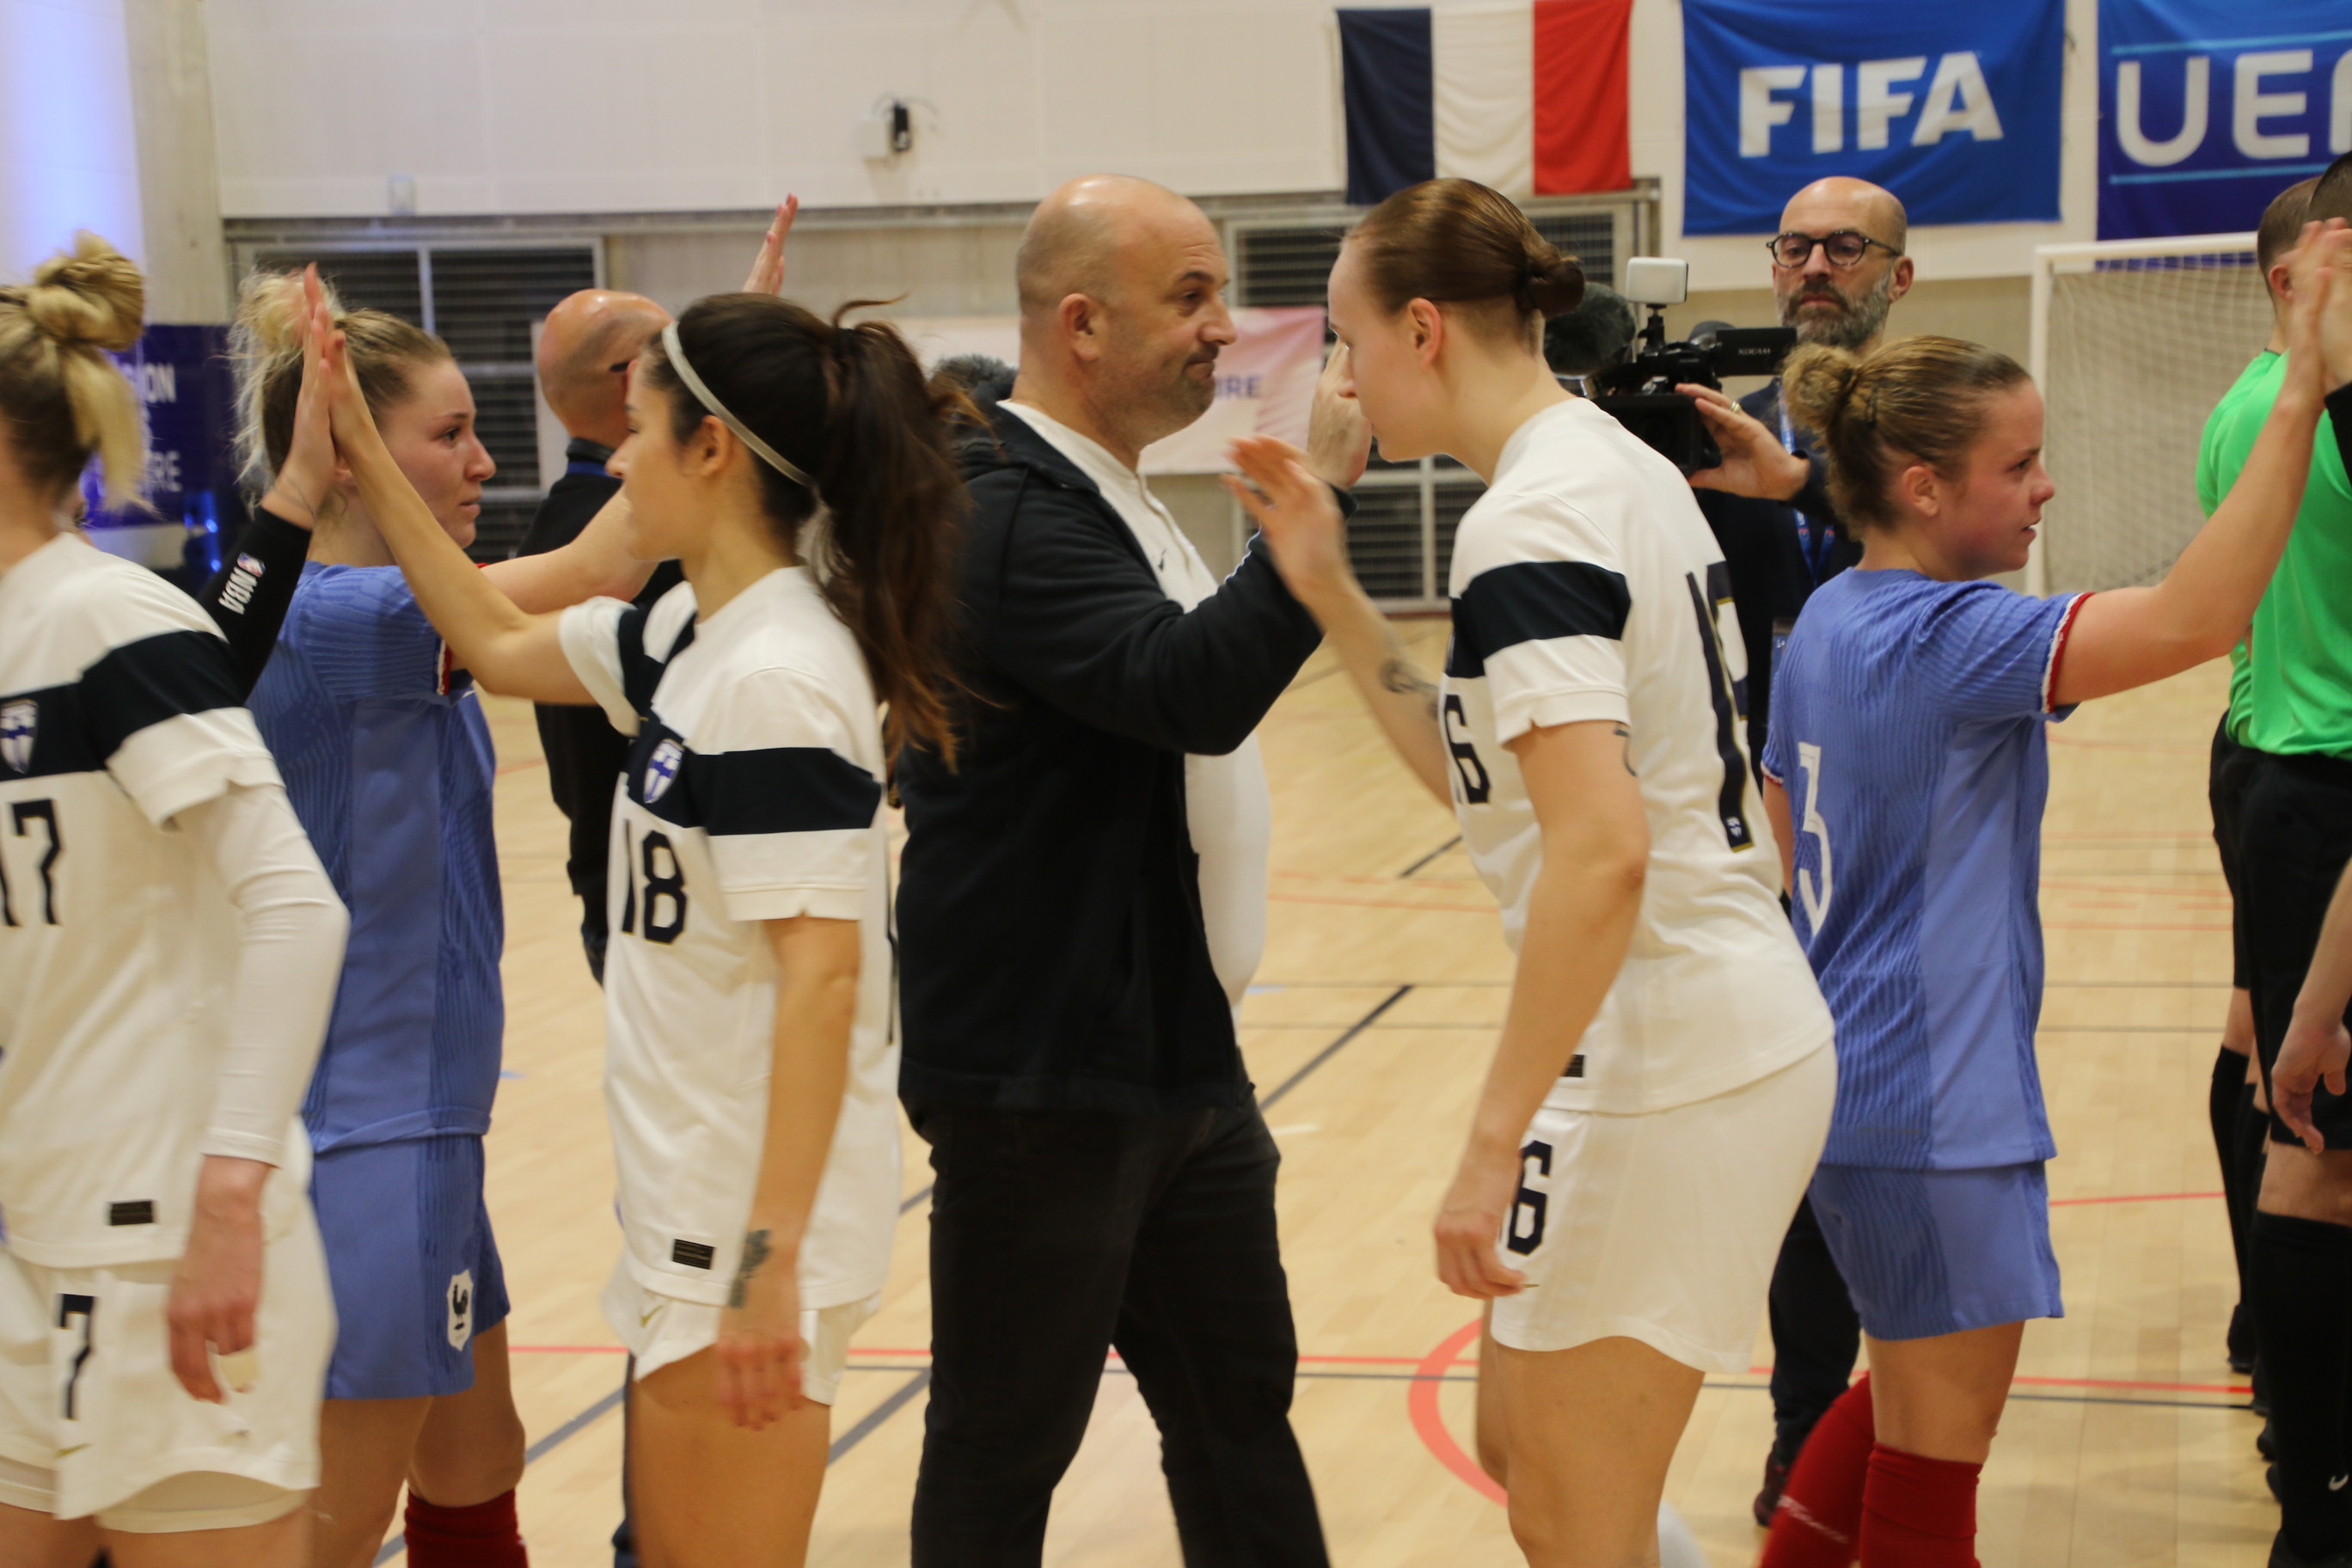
[{"x": 847, "y": 406}]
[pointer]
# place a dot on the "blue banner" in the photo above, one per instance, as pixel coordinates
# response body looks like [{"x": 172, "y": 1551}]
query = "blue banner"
[
  {"x": 1953, "y": 107},
  {"x": 2209, "y": 108},
  {"x": 188, "y": 400}
]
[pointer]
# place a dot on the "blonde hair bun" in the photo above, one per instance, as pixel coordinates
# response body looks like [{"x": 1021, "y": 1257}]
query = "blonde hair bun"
[
  {"x": 92, "y": 297},
  {"x": 1817, "y": 382}
]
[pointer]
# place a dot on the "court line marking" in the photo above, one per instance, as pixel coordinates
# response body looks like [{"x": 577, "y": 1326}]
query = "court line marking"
[
  {"x": 873, "y": 1419},
  {"x": 1426, "y": 859},
  {"x": 1325, "y": 1055}
]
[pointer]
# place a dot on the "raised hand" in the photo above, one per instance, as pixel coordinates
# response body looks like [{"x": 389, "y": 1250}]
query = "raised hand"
[
  {"x": 299, "y": 492},
  {"x": 1754, "y": 462},
  {"x": 1296, "y": 511},
  {"x": 1339, "y": 436},
  {"x": 2319, "y": 315},
  {"x": 768, "y": 267}
]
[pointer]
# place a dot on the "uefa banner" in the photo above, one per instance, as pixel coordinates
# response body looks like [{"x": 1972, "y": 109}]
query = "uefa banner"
[
  {"x": 1953, "y": 107},
  {"x": 2209, "y": 108}
]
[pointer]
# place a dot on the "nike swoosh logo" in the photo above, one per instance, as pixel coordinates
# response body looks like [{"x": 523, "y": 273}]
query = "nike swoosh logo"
[
  {"x": 76, "y": 1449},
  {"x": 2337, "y": 1483},
  {"x": 646, "y": 1317}
]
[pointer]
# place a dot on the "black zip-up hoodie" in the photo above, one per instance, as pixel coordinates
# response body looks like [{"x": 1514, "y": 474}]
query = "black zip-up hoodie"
[{"x": 1051, "y": 948}]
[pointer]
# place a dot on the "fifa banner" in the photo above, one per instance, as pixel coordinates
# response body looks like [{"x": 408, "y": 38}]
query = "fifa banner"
[
  {"x": 1265, "y": 379},
  {"x": 2213, "y": 107},
  {"x": 1953, "y": 107},
  {"x": 1527, "y": 98}
]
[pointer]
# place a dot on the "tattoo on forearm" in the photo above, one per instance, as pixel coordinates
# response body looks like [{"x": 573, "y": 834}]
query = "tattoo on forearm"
[
  {"x": 1627, "y": 736},
  {"x": 1400, "y": 675},
  {"x": 756, "y": 1252}
]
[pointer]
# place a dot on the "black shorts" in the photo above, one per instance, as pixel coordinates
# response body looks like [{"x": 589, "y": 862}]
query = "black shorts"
[
  {"x": 2225, "y": 792},
  {"x": 2294, "y": 835}
]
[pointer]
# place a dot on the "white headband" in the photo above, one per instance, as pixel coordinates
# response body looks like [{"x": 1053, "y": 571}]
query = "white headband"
[{"x": 702, "y": 394}]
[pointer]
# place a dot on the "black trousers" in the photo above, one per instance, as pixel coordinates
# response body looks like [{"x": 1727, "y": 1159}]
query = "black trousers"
[
  {"x": 1816, "y": 1334},
  {"x": 2295, "y": 836},
  {"x": 1059, "y": 1235}
]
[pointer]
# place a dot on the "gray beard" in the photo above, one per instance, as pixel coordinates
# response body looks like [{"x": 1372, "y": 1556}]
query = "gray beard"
[{"x": 1861, "y": 321}]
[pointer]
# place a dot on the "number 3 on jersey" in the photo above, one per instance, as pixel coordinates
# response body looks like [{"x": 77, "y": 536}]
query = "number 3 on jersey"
[
  {"x": 656, "y": 878},
  {"x": 1814, "y": 892}
]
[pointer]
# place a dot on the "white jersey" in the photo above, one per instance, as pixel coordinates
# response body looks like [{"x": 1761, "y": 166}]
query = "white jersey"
[
  {"x": 1588, "y": 587},
  {"x": 754, "y": 793},
  {"x": 119, "y": 710}
]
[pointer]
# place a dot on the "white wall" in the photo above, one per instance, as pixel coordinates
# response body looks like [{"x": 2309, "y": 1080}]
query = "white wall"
[
  {"x": 69, "y": 148},
  {"x": 519, "y": 106},
  {"x": 600, "y": 106}
]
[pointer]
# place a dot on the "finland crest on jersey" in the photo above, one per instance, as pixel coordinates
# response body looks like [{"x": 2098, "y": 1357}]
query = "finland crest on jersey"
[
  {"x": 754, "y": 793},
  {"x": 18, "y": 720},
  {"x": 1587, "y": 588},
  {"x": 119, "y": 710},
  {"x": 661, "y": 772}
]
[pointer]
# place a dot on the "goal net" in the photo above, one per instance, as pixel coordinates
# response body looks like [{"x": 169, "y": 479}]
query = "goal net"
[{"x": 2133, "y": 342}]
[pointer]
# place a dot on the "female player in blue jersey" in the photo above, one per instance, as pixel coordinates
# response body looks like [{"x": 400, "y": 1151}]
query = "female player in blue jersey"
[
  {"x": 388, "y": 763},
  {"x": 750, "y": 1077},
  {"x": 1906, "y": 772}
]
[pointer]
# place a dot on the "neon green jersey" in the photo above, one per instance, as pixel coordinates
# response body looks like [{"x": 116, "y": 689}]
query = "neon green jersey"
[{"x": 2291, "y": 679}]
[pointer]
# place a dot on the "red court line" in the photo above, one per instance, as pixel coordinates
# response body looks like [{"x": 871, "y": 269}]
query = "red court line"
[
  {"x": 506, "y": 768},
  {"x": 2132, "y": 1198},
  {"x": 1429, "y": 1426}
]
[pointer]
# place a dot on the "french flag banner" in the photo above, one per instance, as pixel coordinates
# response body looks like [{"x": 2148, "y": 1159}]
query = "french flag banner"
[{"x": 1528, "y": 98}]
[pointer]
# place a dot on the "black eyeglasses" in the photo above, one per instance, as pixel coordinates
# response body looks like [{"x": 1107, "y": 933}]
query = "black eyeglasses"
[{"x": 1847, "y": 248}]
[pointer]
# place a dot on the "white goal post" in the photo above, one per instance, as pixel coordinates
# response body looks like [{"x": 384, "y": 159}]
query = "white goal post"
[{"x": 2134, "y": 342}]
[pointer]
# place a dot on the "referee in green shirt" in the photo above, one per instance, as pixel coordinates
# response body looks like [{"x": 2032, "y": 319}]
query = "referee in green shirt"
[{"x": 2290, "y": 709}]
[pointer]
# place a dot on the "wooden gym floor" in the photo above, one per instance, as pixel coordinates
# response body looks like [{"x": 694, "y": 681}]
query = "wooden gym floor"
[{"x": 1366, "y": 1034}]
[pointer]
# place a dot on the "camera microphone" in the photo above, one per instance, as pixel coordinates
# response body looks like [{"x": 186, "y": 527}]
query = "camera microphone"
[{"x": 1593, "y": 338}]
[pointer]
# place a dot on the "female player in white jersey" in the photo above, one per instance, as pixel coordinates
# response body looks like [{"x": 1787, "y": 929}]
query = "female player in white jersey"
[
  {"x": 387, "y": 760},
  {"x": 1664, "y": 1075},
  {"x": 750, "y": 1077},
  {"x": 1908, "y": 742},
  {"x": 168, "y": 946}
]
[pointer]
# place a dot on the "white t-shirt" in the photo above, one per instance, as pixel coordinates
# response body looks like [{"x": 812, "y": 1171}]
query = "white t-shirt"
[
  {"x": 119, "y": 710},
  {"x": 1587, "y": 586},
  {"x": 1226, "y": 806},
  {"x": 754, "y": 793}
]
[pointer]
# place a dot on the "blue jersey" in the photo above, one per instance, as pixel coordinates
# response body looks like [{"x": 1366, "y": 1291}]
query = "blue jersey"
[
  {"x": 389, "y": 765},
  {"x": 1907, "y": 727}
]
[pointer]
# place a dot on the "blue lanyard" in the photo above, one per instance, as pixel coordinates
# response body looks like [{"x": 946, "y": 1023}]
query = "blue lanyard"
[
  {"x": 582, "y": 466},
  {"x": 1813, "y": 542}
]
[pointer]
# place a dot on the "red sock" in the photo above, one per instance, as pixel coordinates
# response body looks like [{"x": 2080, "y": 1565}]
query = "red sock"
[
  {"x": 1819, "y": 1523},
  {"x": 482, "y": 1536},
  {"x": 1919, "y": 1512}
]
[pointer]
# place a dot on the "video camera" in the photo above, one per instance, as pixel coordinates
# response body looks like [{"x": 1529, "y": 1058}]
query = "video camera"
[{"x": 1639, "y": 392}]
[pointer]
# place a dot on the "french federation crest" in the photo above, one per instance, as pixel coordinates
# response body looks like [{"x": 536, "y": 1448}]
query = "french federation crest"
[
  {"x": 16, "y": 723},
  {"x": 661, "y": 771}
]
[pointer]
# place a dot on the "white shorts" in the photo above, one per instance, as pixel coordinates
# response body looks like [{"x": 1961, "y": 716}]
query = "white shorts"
[
  {"x": 659, "y": 1329},
  {"x": 1664, "y": 1227},
  {"x": 93, "y": 1423}
]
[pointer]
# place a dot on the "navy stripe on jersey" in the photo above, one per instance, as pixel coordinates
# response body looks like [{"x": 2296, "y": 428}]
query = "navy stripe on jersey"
[
  {"x": 772, "y": 789},
  {"x": 640, "y": 671},
  {"x": 78, "y": 727},
  {"x": 1533, "y": 601}
]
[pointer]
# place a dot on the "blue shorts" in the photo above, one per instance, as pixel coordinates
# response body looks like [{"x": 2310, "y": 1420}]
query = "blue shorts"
[
  {"x": 1934, "y": 1252},
  {"x": 415, "y": 1270}
]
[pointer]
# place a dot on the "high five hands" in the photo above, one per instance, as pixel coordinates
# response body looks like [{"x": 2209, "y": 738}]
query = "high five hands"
[{"x": 768, "y": 267}]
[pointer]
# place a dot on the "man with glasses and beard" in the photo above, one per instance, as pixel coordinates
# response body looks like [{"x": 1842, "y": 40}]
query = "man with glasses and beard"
[
  {"x": 1082, "y": 907},
  {"x": 1838, "y": 267}
]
